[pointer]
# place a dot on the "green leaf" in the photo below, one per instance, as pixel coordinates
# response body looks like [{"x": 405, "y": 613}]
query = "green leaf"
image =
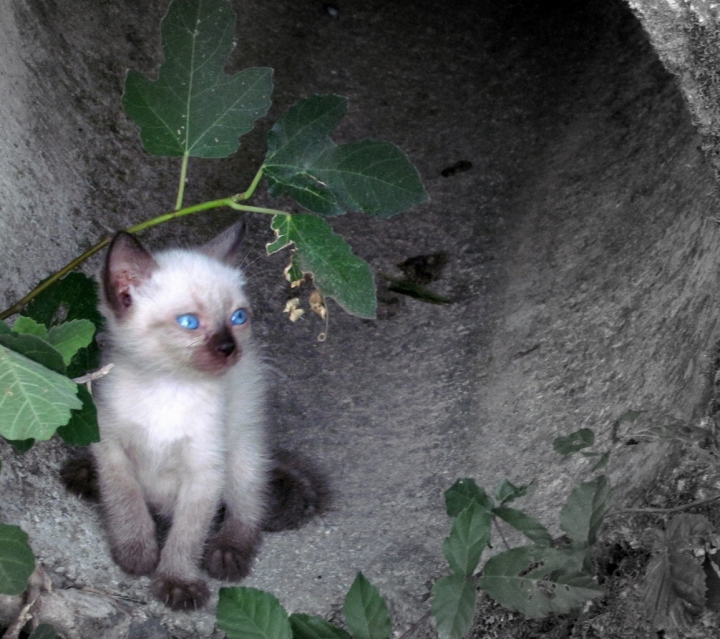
[
  {"x": 507, "y": 491},
  {"x": 73, "y": 297},
  {"x": 26, "y": 326},
  {"x": 70, "y": 337},
  {"x": 248, "y": 613},
  {"x": 602, "y": 462},
  {"x": 453, "y": 606},
  {"x": 462, "y": 493},
  {"x": 194, "y": 107},
  {"x": 469, "y": 536},
  {"x": 303, "y": 162},
  {"x": 34, "y": 401},
  {"x": 43, "y": 631},
  {"x": 4, "y": 328},
  {"x": 574, "y": 442},
  {"x": 527, "y": 525},
  {"x": 17, "y": 561},
  {"x": 532, "y": 580},
  {"x": 21, "y": 445},
  {"x": 337, "y": 273},
  {"x": 366, "y": 613},
  {"x": 82, "y": 429},
  {"x": 307, "y": 627},
  {"x": 583, "y": 514},
  {"x": 36, "y": 349},
  {"x": 675, "y": 582}
]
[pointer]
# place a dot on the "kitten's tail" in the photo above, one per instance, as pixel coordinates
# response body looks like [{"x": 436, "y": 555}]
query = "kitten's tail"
[{"x": 298, "y": 491}]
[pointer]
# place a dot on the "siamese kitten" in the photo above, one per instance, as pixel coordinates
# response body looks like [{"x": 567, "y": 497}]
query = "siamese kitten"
[{"x": 181, "y": 418}]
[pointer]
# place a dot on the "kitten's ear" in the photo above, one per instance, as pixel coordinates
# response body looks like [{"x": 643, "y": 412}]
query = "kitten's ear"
[
  {"x": 226, "y": 246},
  {"x": 128, "y": 264}
]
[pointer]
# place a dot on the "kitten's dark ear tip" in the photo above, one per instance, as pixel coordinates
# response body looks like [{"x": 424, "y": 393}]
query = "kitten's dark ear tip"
[
  {"x": 226, "y": 246},
  {"x": 298, "y": 492}
]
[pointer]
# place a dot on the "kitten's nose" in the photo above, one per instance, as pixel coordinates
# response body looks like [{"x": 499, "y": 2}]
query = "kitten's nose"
[{"x": 223, "y": 343}]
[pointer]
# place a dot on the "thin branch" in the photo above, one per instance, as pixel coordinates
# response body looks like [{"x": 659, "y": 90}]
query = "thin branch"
[
  {"x": 497, "y": 525},
  {"x": 412, "y": 629},
  {"x": 183, "y": 178},
  {"x": 664, "y": 511}
]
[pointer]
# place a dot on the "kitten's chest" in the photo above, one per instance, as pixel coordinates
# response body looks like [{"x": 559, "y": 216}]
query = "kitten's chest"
[{"x": 165, "y": 411}]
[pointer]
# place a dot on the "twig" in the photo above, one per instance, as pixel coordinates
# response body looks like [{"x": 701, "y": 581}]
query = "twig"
[
  {"x": 91, "y": 377},
  {"x": 665, "y": 511},
  {"x": 38, "y": 583},
  {"x": 497, "y": 525},
  {"x": 411, "y": 630}
]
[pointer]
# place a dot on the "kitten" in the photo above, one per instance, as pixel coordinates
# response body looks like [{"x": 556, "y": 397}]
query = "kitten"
[{"x": 182, "y": 418}]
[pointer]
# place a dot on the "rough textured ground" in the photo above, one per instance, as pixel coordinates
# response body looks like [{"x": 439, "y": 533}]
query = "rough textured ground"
[{"x": 580, "y": 245}]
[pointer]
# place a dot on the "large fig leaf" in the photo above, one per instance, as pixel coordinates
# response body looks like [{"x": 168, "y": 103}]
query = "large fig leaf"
[
  {"x": 337, "y": 273},
  {"x": 194, "y": 107},
  {"x": 368, "y": 176},
  {"x": 34, "y": 400}
]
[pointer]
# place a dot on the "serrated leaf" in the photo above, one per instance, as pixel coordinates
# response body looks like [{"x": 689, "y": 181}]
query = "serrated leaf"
[
  {"x": 527, "y": 525},
  {"x": 248, "y": 613},
  {"x": 70, "y": 337},
  {"x": 82, "y": 429},
  {"x": 194, "y": 107},
  {"x": 572, "y": 443},
  {"x": 535, "y": 581},
  {"x": 368, "y": 176},
  {"x": 583, "y": 514},
  {"x": 507, "y": 491},
  {"x": 34, "y": 401},
  {"x": 366, "y": 613},
  {"x": 337, "y": 273},
  {"x": 72, "y": 298},
  {"x": 43, "y": 631},
  {"x": 36, "y": 349},
  {"x": 453, "y": 606},
  {"x": 308, "y": 627},
  {"x": 17, "y": 561},
  {"x": 469, "y": 536},
  {"x": 675, "y": 581},
  {"x": 27, "y": 326},
  {"x": 462, "y": 493},
  {"x": 372, "y": 177}
]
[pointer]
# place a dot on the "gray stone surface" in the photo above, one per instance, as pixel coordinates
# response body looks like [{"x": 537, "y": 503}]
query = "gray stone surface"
[{"x": 581, "y": 246}]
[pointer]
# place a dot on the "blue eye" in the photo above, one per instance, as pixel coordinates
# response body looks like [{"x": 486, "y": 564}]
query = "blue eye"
[
  {"x": 239, "y": 317},
  {"x": 189, "y": 321}
]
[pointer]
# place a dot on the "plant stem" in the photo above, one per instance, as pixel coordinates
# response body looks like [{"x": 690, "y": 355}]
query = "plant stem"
[
  {"x": 253, "y": 185},
  {"x": 205, "y": 206},
  {"x": 497, "y": 525},
  {"x": 664, "y": 511},
  {"x": 183, "y": 177}
]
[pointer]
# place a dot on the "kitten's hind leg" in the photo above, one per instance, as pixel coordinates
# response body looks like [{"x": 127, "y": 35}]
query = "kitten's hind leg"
[
  {"x": 80, "y": 476},
  {"x": 231, "y": 551},
  {"x": 298, "y": 492}
]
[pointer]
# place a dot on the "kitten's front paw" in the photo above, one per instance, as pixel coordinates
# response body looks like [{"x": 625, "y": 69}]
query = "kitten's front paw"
[
  {"x": 179, "y": 594},
  {"x": 229, "y": 554},
  {"x": 137, "y": 557}
]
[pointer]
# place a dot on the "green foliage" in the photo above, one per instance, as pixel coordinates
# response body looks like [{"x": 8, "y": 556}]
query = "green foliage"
[
  {"x": 336, "y": 271},
  {"x": 675, "y": 579},
  {"x": 17, "y": 561},
  {"x": 583, "y": 514},
  {"x": 34, "y": 400},
  {"x": 469, "y": 536},
  {"x": 247, "y": 613},
  {"x": 193, "y": 107},
  {"x": 365, "y": 611},
  {"x": 574, "y": 442},
  {"x": 453, "y": 605},
  {"x": 368, "y": 176},
  {"x": 43, "y": 631}
]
